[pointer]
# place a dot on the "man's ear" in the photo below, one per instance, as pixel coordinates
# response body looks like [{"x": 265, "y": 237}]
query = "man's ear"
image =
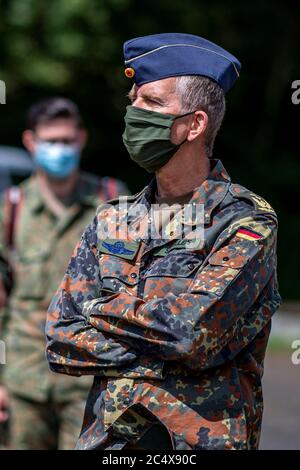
[
  {"x": 199, "y": 125},
  {"x": 29, "y": 141},
  {"x": 82, "y": 138}
]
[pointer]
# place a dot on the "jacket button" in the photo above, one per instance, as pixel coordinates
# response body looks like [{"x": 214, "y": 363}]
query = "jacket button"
[
  {"x": 226, "y": 258},
  {"x": 191, "y": 266},
  {"x": 133, "y": 275}
]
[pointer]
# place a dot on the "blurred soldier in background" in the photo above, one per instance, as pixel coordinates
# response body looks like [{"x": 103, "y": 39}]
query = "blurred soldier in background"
[{"x": 39, "y": 223}]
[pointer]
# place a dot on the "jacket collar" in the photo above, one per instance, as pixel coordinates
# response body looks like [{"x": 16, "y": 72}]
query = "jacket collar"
[
  {"x": 210, "y": 193},
  {"x": 213, "y": 190},
  {"x": 83, "y": 197}
]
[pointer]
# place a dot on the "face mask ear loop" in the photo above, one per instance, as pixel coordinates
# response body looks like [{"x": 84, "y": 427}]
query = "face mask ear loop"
[{"x": 183, "y": 115}]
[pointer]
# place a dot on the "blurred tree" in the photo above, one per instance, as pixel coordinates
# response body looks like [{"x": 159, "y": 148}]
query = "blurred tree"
[{"x": 74, "y": 48}]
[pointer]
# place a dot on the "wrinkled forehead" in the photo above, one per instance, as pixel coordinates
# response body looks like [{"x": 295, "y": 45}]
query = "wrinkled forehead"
[{"x": 160, "y": 88}]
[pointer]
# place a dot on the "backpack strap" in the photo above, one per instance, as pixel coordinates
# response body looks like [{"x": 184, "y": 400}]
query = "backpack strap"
[
  {"x": 108, "y": 188},
  {"x": 12, "y": 202}
]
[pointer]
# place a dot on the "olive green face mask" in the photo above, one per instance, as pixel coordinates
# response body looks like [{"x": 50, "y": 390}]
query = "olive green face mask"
[{"x": 147, "y": 137}]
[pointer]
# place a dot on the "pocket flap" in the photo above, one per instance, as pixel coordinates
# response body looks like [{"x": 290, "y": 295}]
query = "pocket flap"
[
  {"x": 174, "y": 265},
  {"x": 231, "y": 256},
  {"x": 118, "y": 269}
]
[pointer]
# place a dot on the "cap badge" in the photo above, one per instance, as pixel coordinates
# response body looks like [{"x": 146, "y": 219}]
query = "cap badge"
[{"x": 129, "y": 72}]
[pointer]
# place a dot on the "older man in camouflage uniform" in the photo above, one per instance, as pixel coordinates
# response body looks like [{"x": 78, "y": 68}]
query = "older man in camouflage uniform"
[
  {"x": 174, "y": 329},
  {"x": 40, "y": 220}
]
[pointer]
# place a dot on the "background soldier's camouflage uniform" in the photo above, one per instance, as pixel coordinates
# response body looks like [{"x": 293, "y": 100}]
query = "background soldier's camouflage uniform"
[
  {"x": 172, "y": 335},
  {"x": 46, "y": 408}
]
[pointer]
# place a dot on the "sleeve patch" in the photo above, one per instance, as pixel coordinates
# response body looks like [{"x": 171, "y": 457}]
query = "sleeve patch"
[{"x": 248, "y": 234}]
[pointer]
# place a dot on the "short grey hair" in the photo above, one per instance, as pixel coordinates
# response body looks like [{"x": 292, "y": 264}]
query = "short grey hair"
[{"x": 201, "y": 93}]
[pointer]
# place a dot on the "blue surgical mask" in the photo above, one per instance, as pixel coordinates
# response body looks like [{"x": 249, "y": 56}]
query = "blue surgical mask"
[{"x": 56, "y": 159}]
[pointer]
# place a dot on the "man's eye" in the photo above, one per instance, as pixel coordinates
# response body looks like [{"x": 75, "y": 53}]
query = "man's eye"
[
  {"x": 60, "y": 141},
  {"x": 154, "y": 102}
]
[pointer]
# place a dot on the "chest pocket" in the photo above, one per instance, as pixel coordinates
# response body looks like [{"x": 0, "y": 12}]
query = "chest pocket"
[
  {"x": 171, "y": 273},
  {"x": 31, "y": 271},
  {"x": 118, "y": 274},
  {"x": 30, "y": 279}
]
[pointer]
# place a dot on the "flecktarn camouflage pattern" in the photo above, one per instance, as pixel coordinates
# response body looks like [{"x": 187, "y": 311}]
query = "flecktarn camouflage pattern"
[{"x": 174, "y": 333}]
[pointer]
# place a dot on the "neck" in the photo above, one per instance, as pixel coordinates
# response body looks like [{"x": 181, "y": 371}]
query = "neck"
[
  {"x": 54, "y": 192},
  {"x": 184, "y": 172},
  {"x": 59, "y": 188}
]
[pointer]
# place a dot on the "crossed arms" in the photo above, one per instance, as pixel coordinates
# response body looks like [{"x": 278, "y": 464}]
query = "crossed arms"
[{"x": 230, "y": 300}]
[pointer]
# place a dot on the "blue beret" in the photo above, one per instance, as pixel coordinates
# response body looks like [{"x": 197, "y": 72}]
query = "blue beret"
[{"x": 151, "y": 58}]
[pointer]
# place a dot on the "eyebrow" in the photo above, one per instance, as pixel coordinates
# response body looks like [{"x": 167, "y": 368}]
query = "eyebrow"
[
  {"x": 150, "y": 97},
  {"x": 132, "y": 95}
]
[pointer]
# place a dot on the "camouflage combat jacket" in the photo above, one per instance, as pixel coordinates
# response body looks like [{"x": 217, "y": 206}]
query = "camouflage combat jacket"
[
  {"x": 171, "y": 334},
  {"x": 43, "y": 245}
]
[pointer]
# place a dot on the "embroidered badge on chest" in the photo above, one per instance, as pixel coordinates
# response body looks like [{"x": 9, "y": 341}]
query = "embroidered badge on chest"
[
  {"x": 181, "y": 244},
  {"x": 121, "y": 248}
]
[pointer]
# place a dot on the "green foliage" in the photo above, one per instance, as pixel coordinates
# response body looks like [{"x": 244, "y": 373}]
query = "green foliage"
[{"x": 44, "y": 43}]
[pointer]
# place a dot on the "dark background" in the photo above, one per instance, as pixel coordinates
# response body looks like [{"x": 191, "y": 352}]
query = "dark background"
[{"x": 74, "y": 48}]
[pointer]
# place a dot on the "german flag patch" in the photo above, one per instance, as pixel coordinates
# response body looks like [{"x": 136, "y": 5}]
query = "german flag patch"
[{"x": 248, "y": 234}]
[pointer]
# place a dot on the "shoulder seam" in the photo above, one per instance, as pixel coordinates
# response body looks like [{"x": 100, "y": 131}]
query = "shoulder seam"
[{"x": 259, "y": 204}]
